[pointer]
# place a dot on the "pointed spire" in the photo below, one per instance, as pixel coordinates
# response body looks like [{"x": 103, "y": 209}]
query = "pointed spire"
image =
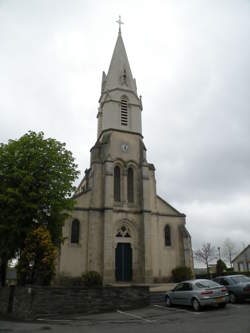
[
  {"x": 119, "y": 73},
  {"x": 119, "y": 86}
]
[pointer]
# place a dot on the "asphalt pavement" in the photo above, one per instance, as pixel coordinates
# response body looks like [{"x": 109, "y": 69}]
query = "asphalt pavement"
[{"x": 235, "y": 318}]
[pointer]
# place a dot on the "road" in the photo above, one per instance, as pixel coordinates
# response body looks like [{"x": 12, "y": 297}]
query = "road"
[{"x": 235, "y": 318}]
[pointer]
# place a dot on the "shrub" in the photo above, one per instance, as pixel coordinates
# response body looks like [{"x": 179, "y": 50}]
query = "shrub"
[
  {"x": 182, "y": 273},
  {"x": 68, "y": 281},
  {"x": 92, "y": 279},
  {"x": 205, "y": 276},
  {"x": 225, "y": 273},
  {"x": 89, "y": 279},
  {"x": 36, "y": 264},
  {"x": 247, "y": 273}
]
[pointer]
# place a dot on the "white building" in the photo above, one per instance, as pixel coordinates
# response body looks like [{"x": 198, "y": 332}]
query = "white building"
[{"x": 241, "y": 263}]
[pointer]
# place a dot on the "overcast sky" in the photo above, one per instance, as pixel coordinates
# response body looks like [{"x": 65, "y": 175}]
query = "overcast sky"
[{"x": 191, "y": 60}]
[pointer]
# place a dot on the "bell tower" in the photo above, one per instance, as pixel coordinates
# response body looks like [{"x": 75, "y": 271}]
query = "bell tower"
[{"x": 119, "y": 105}]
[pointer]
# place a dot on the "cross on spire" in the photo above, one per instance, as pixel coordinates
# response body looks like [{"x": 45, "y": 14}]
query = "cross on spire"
[{"x": 120, "y": 23}]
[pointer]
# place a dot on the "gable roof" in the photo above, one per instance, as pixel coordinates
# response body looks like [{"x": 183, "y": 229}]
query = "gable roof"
[
  {"x": 175, "y": 211},
  {"x": 238, "y": 255}
]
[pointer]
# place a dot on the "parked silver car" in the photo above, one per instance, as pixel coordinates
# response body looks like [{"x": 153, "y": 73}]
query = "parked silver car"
[
  {"x": 198, "y": 293},
  {"x": 238, "y": 286}
]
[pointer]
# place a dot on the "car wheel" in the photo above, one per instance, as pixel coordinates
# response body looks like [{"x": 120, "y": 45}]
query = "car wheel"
[
  {"x": 196, "y": 305},
  {"x": 168, "y": 301},
  {"x": 222, "y": 305},
  {"x": 232, "y": 298}
]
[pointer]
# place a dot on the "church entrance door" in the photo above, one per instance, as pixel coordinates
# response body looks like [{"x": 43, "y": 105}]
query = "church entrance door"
[{"x": 123, "y": 262}]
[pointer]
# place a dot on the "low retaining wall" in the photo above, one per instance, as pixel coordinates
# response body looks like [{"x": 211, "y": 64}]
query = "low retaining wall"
[
  {"x": 4, "y": 300},
  {"x": 34, "y": 302}
]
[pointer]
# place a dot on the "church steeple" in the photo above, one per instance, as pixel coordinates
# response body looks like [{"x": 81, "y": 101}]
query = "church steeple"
[
  {"x": 120, "y": 107},
  {"x": 119, "y": 73}
]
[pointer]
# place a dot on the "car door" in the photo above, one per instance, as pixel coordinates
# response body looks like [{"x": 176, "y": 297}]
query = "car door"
[
  {"x": 233, "y": 286},
  {"x": 177, "y": 294},
  {"x": 226, "y": 283},
  {"x": 187, "y": 293}
]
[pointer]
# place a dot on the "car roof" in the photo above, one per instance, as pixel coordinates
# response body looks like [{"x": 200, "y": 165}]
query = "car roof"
[
  {"x": 194, "y": 281},
  {"x": 229, "y": 276}
]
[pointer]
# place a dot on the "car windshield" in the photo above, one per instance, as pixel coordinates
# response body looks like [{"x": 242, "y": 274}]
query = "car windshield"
[
  {"x": 206, "y": 284},
  {"x": 240, "y": 279}
]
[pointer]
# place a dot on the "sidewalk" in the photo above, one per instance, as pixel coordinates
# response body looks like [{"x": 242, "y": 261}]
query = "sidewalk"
[
  {"x": 156, "y": 287},
  {"x": 161, "y": 287}
]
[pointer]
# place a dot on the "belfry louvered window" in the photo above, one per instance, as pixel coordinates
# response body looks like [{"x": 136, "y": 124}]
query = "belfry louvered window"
[{"x": 124, "y": 112}]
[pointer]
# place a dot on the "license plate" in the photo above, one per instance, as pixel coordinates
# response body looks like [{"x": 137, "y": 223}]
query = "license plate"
[{"x": 220, "y": 299}]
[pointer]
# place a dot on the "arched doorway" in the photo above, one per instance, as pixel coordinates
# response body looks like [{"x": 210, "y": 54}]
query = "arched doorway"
[
  {"x": 123, "y": 255},
  {"x": 123, "y": 262}
]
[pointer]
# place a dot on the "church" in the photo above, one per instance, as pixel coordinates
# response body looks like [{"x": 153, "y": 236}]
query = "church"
[{"x": 120, "y": 227}]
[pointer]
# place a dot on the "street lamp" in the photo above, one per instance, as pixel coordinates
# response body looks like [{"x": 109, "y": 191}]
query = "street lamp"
[{"x": 219, "y": 251}]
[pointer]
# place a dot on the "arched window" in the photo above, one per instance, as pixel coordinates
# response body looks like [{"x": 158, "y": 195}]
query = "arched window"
[
  {"x": 130, "y": 183},
  {"x": 117, "y": 184},
  {"x": 124, "y": 112},
  {"x": 167, "y": 232},
  {"x": 75, "y": 229}
]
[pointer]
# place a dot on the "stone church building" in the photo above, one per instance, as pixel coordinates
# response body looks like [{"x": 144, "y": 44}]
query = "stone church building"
[{"x": 120, "y": 227}]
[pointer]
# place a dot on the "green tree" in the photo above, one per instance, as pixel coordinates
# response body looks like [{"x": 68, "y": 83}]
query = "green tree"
[
  {"x": 36, "y": 185},
  {"x": 220, "y": 267},
  {"x": 36, "y": 264}
]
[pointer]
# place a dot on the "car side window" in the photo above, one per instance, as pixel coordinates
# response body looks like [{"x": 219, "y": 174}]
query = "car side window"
[
  {"x": 224, "y": 282},
  {"x": 179, "y": 287},
  {"x": 187, "y": 286}
]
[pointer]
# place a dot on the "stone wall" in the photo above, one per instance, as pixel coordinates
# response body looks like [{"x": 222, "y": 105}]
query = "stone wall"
[
  {"x": 4, "y": 300},
  {"x": 37, "y": 302}
]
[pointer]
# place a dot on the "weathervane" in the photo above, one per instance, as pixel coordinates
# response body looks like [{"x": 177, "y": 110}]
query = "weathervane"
[{"x": 120, "y": 23}]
